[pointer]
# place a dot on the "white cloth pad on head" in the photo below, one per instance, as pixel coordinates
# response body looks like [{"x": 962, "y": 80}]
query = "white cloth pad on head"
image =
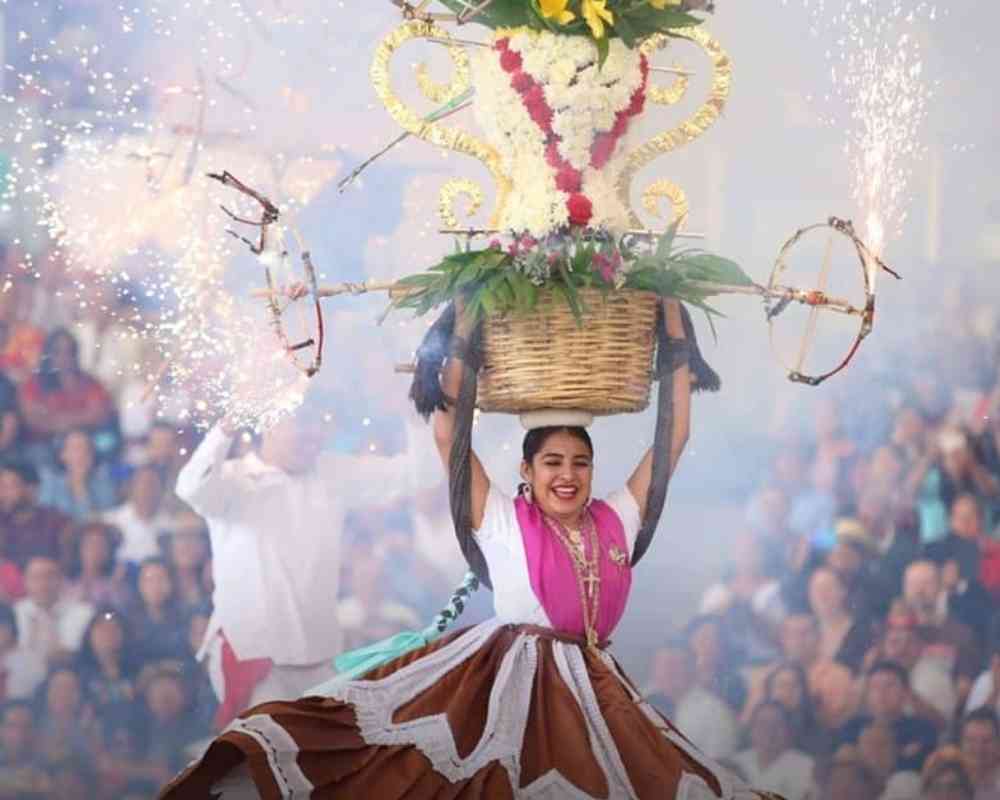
[{"x": 555, "y": 417}]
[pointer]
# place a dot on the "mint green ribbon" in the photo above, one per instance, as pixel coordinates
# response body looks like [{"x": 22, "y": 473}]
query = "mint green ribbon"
[{"x": 352, "y": 665}]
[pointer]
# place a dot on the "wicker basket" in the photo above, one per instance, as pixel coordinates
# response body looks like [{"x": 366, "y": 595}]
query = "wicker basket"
[{"x": 548, "y": 360}]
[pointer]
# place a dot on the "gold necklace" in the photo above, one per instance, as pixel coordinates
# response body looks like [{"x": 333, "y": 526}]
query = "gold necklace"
[
  {"x": 587, "y": 569},
  {"x": 575, "y": 536}
]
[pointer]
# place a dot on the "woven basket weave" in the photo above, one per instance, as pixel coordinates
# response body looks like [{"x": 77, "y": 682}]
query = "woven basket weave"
[{"x": 547, "y": 359}]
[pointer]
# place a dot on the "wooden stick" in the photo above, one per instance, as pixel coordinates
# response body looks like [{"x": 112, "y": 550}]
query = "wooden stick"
[
  {"x": 809, "y": 297},
  {"x": 337, "y": 289},
  {"x": 672, "y": 71},
  {"x": 417, "y": 12},
  {"x": 452, "y": 42},
  {"x": 471, "y": 12},
  {"x": 356, "y": 172}
]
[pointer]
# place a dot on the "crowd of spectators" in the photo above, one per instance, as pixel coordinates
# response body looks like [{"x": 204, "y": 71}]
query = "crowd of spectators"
[{"x": 852, "y": 649}]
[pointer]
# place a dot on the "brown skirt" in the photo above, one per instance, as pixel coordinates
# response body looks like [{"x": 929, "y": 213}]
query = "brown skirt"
[{"x": 543, "y": 733}]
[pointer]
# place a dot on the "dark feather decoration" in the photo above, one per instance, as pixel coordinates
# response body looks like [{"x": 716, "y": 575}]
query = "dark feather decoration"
[
  {"x": 425, "y": 391},
  {"x": 706, "y": 379}
]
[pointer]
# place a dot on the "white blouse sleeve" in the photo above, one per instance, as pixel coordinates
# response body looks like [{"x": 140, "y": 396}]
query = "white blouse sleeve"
[
  {"x": 499, "y": 517},
  {"x": 627, "y": 509}
]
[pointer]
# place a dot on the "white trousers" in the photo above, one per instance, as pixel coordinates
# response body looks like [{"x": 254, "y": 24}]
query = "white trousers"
[{"x": 286, "y": 682}]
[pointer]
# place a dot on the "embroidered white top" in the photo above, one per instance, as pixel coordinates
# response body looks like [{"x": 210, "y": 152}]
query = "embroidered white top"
[{"x": 500, "y": 540}]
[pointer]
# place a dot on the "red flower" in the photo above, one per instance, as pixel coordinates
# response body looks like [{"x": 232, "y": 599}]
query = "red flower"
[
  {"x": 568, "y": 179},
  {"x": 607, "y": 266},
  {"x": 552, "y": 156},
  {"x": 521, "y": 82},
  {"x": 510, "y": 60},
  {"x": 638, "y": 102},
  {"x": 621, "y": 124},
  {"x": 535, "y": 96},
  {"x": 501, "y": 44},
  {"x": 604, "y": 267},
  {"x": 601, "y": 149},
  {"x": 538, "y": 107},
  {"x": 643, "y": 64},
  {"x": 580, "y": 209}
]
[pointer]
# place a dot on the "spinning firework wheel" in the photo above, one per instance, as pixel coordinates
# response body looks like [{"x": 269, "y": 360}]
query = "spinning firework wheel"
[{"x": 842, "y": 272}]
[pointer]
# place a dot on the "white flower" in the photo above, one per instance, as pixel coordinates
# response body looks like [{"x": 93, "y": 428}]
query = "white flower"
[
  {"x": 562, "y": 72},
  {"x": 585, "y": 102}
]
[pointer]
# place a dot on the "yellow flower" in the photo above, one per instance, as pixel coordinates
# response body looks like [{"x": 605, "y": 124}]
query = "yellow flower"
[
  {"x": 556, "y": 9},
  {"x": 596, "y": 14},
  {"x": 662, "y": 4}
]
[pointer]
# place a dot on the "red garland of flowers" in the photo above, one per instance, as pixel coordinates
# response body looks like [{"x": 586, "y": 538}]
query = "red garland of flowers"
[{"x": 569, "y": 179}]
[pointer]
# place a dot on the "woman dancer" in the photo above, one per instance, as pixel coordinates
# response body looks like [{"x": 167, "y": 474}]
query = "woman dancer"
[{"x": 528, "y": 704}]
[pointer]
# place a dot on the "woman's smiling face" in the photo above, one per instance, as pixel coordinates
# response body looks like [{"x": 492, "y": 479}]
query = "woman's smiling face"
[{"x": 561, "y": 474}]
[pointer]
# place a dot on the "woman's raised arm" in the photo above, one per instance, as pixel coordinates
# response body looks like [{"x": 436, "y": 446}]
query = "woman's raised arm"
[
  {"x": 641, "y": 479},
  {"x": 444, "y": 420}
]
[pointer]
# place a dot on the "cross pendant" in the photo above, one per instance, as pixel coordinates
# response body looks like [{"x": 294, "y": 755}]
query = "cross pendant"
[{"x": 590, "y": 580}]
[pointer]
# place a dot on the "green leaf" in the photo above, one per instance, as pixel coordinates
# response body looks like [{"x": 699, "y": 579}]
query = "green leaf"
[
  {"x": 474, "y": 306},
  {"x": 718, "y": 270},
  {"x": 505, "y": 295},
  {"x": 518, "y": 284},
  {"x": 626, "y": 30},
  {"x": 420, "y": 279},
  {"x": 572, "y": 296},
  {"x": 488, "y": 301},
  {"x": 468, "y": 273},
  {"x": 603, "y": 48},
  {"x": 501, "y": 14},
  {"x": 644, "y": 20},
  {"x": 666, "y": 242},
  {"x": 571, "y": 300},
  {"x": 711, "y": 323}
]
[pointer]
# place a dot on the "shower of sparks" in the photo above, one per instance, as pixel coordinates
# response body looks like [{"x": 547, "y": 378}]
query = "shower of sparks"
[
  {"x": 106, "y": 179},
  {"x": 877, "y": 74}
]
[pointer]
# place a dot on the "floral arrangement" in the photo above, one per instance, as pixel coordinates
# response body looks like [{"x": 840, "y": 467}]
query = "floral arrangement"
[
  {"x": 559, "y": 124},
  {"x": 557, "y": 94},
  {"x": 601, "y": 20},
  {"x": 499, "y": 279}
]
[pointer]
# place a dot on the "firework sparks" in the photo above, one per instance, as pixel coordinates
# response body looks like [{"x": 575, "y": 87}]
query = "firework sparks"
[
  {"x": 107, "y": 169},
  {"x": 877, "y": 75}
]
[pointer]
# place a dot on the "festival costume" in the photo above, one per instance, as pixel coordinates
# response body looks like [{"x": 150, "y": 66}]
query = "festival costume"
[{"x": 529, "y": 704}]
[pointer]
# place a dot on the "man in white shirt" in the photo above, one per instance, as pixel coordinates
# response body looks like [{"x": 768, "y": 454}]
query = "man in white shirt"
[
  {"x": 141, "y": 518},
  {"x": 48, "y": 625},
  {"x": 275, "y": 518}
]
